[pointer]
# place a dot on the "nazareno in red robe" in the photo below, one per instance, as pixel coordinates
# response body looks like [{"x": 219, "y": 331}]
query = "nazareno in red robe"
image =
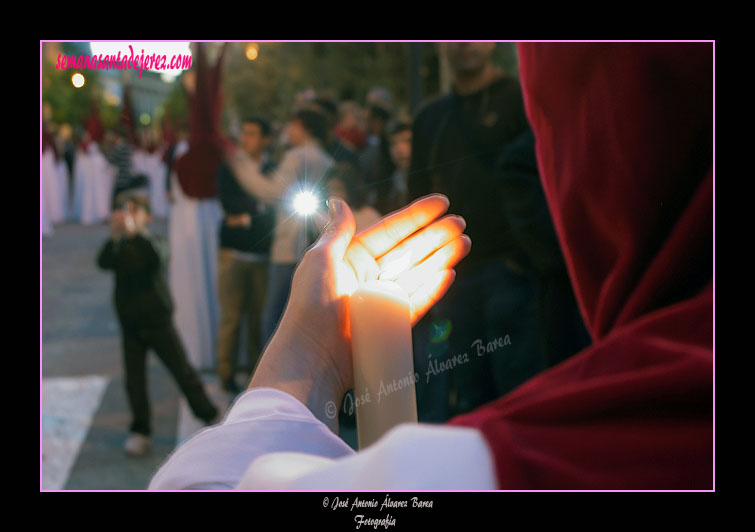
[
  {"x": 625, "y": 149},
  {"x": 93, "y": 123},
  {"x": 197, "y": 169}
]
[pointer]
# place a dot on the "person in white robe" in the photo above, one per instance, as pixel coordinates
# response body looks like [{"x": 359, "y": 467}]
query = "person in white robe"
[
  {"x": 93, "y": 184},
  {"x": 195, "y": 217},
  {"x": 81, "y": 208},
  {"x": 44, "y": 220},
  {"x": 193, "y": 270},
  {"x": 61, "y": 170},
  {"x": 155, "y": 170},
  {"x": 139, "y": 161},
  {"x": 52, "y": 185},
  {"x": 104, "y": 181}
]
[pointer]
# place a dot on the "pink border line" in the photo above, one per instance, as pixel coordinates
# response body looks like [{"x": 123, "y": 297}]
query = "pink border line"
[
  {"x": 370, "y": 41},
  {"x": 714, "y": 266},
  {"x": 40, "y": 265},
  {"x": 377, "y": 40}
]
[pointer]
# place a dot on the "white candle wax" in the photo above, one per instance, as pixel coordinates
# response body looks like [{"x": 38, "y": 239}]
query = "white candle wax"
[{"x": 381, "y": 340}]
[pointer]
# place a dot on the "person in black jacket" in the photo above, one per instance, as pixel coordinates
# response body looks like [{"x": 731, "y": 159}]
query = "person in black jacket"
[
  {"x": 246, "y": 234},
  {"x": 521, "y": 195},
  {"x": 457, "y": 139},
  {"x": 145, "y": 308}
]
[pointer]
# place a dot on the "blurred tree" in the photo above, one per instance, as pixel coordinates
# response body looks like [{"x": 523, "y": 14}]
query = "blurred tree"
[
  {"x": 68, "y": 104},
  {"x": 109, "y": 115},
  {"x": 175, "y": 105},
  {"x": 268, "y": 84}
]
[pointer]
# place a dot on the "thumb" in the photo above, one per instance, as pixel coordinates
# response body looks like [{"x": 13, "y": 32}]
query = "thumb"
[{"x": 338, "y": 233}]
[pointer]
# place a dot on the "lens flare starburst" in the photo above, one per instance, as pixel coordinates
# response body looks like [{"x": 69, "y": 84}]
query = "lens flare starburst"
[{"x": 305, "y": 203}]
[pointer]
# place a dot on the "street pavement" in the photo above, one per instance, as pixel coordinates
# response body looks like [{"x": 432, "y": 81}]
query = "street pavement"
[{"x": 84, "y": 415}]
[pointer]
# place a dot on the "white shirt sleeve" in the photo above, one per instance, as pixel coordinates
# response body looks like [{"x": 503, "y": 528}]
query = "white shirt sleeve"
[
  {"x": 271, "y": 441},
  {"x": 261, "y": 421},
  {"x": 269, "y": 190}
]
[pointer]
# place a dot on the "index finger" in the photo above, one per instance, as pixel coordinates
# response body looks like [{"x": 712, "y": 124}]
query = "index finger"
[{"x": 394, "y": 228}]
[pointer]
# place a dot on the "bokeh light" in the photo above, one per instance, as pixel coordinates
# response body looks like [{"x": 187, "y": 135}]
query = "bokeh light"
[
  {"x": 252, "y": 51},
  {"x": 78, "y": 80}
]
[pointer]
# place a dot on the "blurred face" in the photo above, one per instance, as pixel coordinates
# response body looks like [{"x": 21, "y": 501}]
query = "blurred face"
[
  {"x": 136, "y": 213},
  {"x": 401, "y": 149},
  {"x": 296, "y": 132},
  {"x": 252, "y": 141},
  {"x": 468, "y": 58},
  {"x": 349, "y": 120},
  {"x": 142, "y": 218}
]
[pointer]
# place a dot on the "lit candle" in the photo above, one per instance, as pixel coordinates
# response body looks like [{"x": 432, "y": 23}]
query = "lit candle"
[{"x": 381, "y": 340}]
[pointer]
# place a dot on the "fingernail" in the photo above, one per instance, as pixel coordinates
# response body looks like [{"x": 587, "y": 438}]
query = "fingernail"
[{"x": 334, "y": 207}]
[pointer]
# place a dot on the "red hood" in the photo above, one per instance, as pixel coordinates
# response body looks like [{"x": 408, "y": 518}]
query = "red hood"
[
  {"x": 93, "y": 124},
  {"x": 626, "y": 137},
  {"x": 197, "y": 169},
  {"x": 127, "y": 117},
  {"x": 625, "y": 149}
]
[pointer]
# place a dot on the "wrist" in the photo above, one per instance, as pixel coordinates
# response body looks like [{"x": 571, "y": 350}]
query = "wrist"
[{"x": 296, "y": 367}]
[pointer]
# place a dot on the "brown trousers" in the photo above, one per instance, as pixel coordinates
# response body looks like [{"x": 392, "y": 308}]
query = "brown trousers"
[{"x": 241, "y": 287}]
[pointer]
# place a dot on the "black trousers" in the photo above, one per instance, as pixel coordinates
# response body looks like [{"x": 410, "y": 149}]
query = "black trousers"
[{"x": 164, "y": 341}]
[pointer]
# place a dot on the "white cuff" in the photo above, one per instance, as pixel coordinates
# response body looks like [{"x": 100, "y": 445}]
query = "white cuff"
[
  {"x": 409, "y": 457},
  {"x": 261, "y": 421}
]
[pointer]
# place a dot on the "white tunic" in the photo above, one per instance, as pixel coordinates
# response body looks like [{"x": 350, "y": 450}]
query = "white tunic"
[
  {"x": 44, "y": 220},
  {"x": 52, "y": 186},
  {"x": 270, "y": 441},
  {"x": 152, "y": 167},
  {"x": 193, "y": 235},
  {"x": 158, "y": 195},
  {"x": 63, "y": 189},
  {"x": 138, "y": 161},
  {"x": 104, "y": 181},
  {"x": 80, "y": 175},
  {"x": 93, "y": 182}
]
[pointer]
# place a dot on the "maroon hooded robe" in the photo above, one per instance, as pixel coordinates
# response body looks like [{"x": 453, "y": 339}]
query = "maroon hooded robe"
[
  {"x": 625, "y": 149},
  {"x": 197, "y": 169}
]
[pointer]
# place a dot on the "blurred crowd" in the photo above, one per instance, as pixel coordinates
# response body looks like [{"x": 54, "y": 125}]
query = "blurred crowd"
[{"x": 236, "y": 231}]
